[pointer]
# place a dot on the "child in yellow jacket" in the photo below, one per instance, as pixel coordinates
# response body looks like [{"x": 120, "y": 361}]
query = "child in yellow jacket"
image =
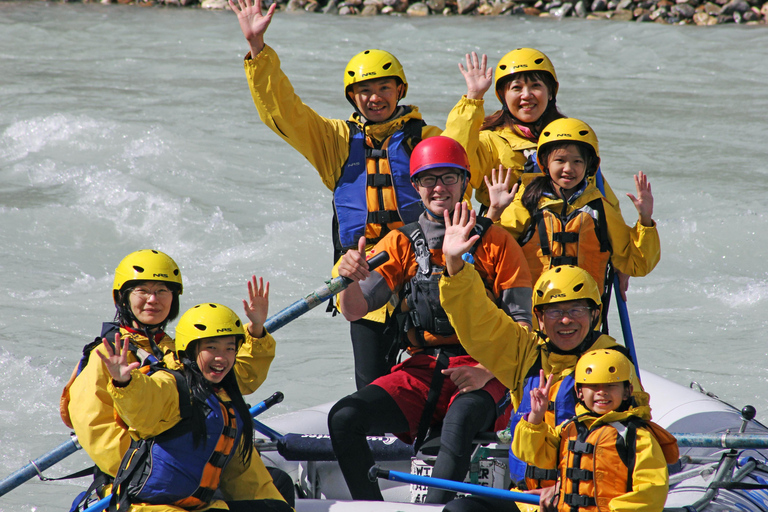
[{"x": 610, "y": 456}]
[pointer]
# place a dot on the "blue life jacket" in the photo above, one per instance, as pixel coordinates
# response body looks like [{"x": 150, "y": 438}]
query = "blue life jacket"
[
  {"x": 169, "y": 468},
  {"x": 564, "y": 408},
  {"x": 351, "y": 208}
]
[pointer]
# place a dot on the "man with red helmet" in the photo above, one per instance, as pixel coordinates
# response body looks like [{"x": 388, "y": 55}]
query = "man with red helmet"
[{"x": 416, "y": 394}]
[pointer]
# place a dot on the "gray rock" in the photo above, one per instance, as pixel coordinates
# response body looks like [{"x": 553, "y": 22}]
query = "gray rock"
[
  {"x": 740, "y": 6},
  {"x": 580, "y": 9},
  {"x": 418, "y": 9},
  {"x": 644, "y": 17},
  {"x": 436, "y": 5},
  {"x": 331, "y": 7},
  {"x": 684, "y": 11},
  {"x": 624, "y": 5},
  {"x": 465, "y": 6},
  {"x": 214, "y": 4},
  {"x": 370, "y": 10},
  {"x": 598, "y": 5},
  {"x": 562, "y": 11}
]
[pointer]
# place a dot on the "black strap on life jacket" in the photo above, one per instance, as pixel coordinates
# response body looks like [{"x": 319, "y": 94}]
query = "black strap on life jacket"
[{"x": 136, "y": 466}]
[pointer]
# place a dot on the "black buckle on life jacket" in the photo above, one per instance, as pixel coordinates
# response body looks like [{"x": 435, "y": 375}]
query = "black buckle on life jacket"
[
  {"x": 578, "y": 474},
  {"x": 551, "y": 406},
  {"x": 379, "y": 180},
  {"x": 565, "y": 237},
  {"x": 557, "y": 261},
  {"x": 579, "y": 500},
  {"x": 375, "y": 153},
  {"x": 229, "y": 432},
  {"x": 536, "y": 473},
  {"x": 218, "y": 459},
  {"x": 204, "y": 494},
  {"x": 383, "y": 217},
  {"x": 580, "y": 447}
]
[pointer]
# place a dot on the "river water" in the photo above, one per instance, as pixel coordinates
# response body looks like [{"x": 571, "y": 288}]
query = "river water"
[{"x": 124, "y": 127}]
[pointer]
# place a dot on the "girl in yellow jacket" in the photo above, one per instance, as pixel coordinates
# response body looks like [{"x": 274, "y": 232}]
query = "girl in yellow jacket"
[
  {"x": 192, "y": 432},
  {"x": 596, "y": 471},
  {"x": 561, "y": 218}
]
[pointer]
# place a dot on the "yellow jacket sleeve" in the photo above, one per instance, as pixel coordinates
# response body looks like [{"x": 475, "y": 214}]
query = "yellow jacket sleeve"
[
  {"x": 537, "y": 445},
  {"x": 91, "y": 410},
  {"x": 650, "y": 480},
  {"x": 323, "y": 142},
  {"x": 148, "y": 404},
  {"x": 487, "y": 333},
  {"x": 636, "y": 250},
  {"x": 253, "y": 361},
  {"x": 463, "y": 126},
  {"x": 248, "y": 482}
]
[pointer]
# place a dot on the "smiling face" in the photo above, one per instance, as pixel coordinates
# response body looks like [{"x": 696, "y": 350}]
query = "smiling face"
[
  {"x": 216, "y": 356},
  {"x": 377, "y": 99},
  {"x": 527, "y": 98},
  {"x": 151, "y": 302},
  {"x": 567, "y": 324},
  {"x": 604, "y": 398},
  {"x": 440, "y": 197},
  {"x": 566, "y": 167}
]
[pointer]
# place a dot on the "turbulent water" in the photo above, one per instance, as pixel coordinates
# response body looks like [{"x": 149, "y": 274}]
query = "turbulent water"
[{"x": 124, "y": 127}]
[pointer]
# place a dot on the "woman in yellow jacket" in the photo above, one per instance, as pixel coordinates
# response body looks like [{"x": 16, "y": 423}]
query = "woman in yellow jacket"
[
  {"x": 362, "y": 160},
  {"x": 560, "y": 218},
  {"x": 191, "y": 430},
  {"x": 595, "y": 471},
  {"x": 146, "y": 292}
]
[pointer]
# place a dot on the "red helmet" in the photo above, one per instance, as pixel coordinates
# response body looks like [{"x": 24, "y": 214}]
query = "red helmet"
[{"x": 437, "y": 152}]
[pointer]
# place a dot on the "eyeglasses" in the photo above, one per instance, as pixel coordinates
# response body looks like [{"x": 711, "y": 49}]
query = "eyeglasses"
[
  {"x": 450, "y": 178},
  {"x": 145, "y": 293},
  {"x": 575, "y": 312}
]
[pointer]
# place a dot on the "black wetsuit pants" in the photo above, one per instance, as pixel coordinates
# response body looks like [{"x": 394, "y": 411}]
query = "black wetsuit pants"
[
  {"x": 373, "y": 410},
  {"x": 374, "y": 350}
]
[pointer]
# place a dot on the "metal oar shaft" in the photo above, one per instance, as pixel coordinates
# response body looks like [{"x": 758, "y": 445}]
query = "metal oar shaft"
[
  {"x": 724, "y": 440},
  {"x": 39, "y": 465},
  {"x": 317, "y": 297},
  {"x": 449, "y": 485}
]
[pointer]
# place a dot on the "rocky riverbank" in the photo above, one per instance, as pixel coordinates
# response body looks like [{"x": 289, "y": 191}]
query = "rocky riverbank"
[{"x": 670, "y": 12}]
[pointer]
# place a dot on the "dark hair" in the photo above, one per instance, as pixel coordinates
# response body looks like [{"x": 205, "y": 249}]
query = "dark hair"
[
  {"x": 503, "y": 117},
  {"x": 543, "y": 184},
  {"x": 124, "y": 315},
  {"x": 200, "y": 389}
]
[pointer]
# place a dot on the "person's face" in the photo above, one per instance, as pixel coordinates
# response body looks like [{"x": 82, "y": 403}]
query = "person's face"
[
  {"x": 439, "y": 197},
  {"x": 376, "y": 99},
  {"x": 151, "y": 302},
  {"x": 566, "y": 323},
  {"x": 216, "y": 356},
  {"x": 603, "y": 398},
  {"x": 527, "y": 98},
  {"x": 566, "y": 167}
]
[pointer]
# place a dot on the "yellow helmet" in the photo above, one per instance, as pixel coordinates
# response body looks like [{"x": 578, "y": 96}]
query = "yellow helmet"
[
  {"x": 371, "y": 64},
  {"x": 603, "y": 366},
  {"x": 146, "y": 265},
  {"x": 523, "y": 59},
  {"x": 568, "y": 129},
  {"x": 207, "y": 321},
  {"x": 565, "y": 283}
]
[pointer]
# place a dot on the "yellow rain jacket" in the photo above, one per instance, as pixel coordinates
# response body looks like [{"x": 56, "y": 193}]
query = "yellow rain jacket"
[
  {"x": 634, "y": 251},
  {"x": 635, "y": 481},
  {"x": 150, "y": 405},
  {"x": 499, "y": 343},
  {"x": 487, "y": 149},
  {"x": 99, "y": 429}
]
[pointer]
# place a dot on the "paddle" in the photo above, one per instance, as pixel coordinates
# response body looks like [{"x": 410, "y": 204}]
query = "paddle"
[
  {"x": 320, "y": 295},
  {"x": 626, "y": 328},
  {"x": 449, "y": 485},
  {"x": 257, "y": 409},
  {"x": 37, "y": 466},
  {"x": 272, "y": 324}
]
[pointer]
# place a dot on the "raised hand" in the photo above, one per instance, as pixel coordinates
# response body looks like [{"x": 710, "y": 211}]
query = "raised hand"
[
  {"x": 257, "y": 306},
  {"x": 457, "y": 238},
  {"x": 499, "y": 192},
  {"x": 644, "y": 200},
  {"x": 540, "y": 399},
  {"x": 116, "y": 360},
  {"x": 478, "y": 76},
  {"x": 252, "y": 22}
]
